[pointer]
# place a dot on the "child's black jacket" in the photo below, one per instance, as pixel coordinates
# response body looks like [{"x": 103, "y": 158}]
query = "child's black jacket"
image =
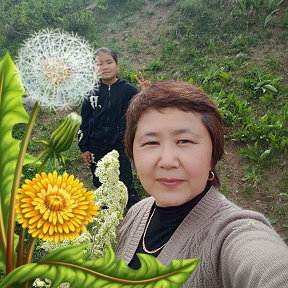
[{"x": 103, "y": 114}]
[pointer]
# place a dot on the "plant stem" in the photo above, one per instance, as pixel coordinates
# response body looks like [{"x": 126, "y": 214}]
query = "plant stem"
[
  {"x": 15, "y": 186},
  {"x": 30, "y": 250},
  {"x": 43, "y": 164},
  {"x": 29, "y": 255},
  {"x": 20, "y": 251}
]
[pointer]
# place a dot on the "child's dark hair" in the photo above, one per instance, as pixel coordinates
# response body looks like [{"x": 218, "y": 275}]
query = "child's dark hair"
[{"x": 108, "y": 51}]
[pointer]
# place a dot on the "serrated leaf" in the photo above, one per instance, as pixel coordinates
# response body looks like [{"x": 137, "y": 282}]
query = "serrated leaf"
[
  {"x": 67, "y": 265},
  {"x": 11, "y": 113}
]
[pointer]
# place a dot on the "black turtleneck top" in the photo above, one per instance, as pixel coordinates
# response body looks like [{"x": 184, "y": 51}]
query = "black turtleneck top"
[{"x": 162, "y": 226}]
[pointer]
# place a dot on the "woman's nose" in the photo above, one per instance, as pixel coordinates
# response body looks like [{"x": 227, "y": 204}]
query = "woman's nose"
[{"x": 168, "y": 158}]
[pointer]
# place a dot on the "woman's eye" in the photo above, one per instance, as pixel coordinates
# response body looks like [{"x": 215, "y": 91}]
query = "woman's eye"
[
  {"x": 184, "y": 141},
  {"x": 150, "y": 143}
]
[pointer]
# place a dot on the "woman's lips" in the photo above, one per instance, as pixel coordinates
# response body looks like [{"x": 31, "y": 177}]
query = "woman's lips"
[{"x": 170, "y": 182}]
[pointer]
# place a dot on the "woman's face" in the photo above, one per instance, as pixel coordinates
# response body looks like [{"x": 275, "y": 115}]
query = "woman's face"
[
  {"x": 172, "y": 152},
  {"x": 106, "y": 68}
]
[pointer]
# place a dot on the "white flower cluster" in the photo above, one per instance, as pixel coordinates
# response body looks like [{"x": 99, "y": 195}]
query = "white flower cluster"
[
  {"x": 84, "y": 238},
  {"x": 108, "y": 168},
  {"x": 42, "y": 283},
  {"x": 46, "y": 283},
  {"x": 56, "y": 68},
  {"x": 112, "y": 195}
]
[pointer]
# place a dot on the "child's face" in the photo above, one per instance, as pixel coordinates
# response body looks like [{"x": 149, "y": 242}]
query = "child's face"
[{"x": 106, "y": 68}]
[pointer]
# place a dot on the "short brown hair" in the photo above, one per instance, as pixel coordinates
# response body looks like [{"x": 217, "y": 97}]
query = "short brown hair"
[{"x": 181, "y": 95}]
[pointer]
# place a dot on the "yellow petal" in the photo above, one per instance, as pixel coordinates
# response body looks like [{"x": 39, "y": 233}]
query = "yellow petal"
[
  {"x": 34, "y": 219},
  {"x": 31, "y": 214},
  {"x": 40, "y": 222},
  {"x": 51, "y": 229},
  {"x": 45, "y": 237},
  {"x": 71, "y": 226},
  {"x": 56, "y": 237},
  {"x": 26, "y": 200},
  {"x": 83, "y": 228},
  {"x": 59, "y": 181},
  {"x": 46, "y": 227},
  {"x": 29, "y": 182},
  {"x": 27, "y": 209},
  {"x": 65, "y": 228},
  {"x": 50, "y": 217},
  {"x": 59, "y": 228},
  {"x": 65, "y": 177},
  {"x": 71, "y": 236},
  {"x": 81, "y": 210},
  {"x": 54, "y": 176},
  {"x": 36, "y": 188},
  {"x": 35, "y": 233},
  {"x": 46, "y": 215},
  {"x": 72, "y": 220},
  {"x": 25, "y": 205},
  {"x": 54, "y": 219},
  {"x": 60, "y": 218},
  {"x": 70, "y": 179}
]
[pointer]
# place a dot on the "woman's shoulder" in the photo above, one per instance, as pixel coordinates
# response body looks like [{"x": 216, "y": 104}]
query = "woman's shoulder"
[
  {"x": 225, "y": 218},
  {"x": 226, "y": 209}
]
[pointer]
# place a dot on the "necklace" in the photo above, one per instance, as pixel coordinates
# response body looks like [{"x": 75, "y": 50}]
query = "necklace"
[{"x": 144, "y": 235}]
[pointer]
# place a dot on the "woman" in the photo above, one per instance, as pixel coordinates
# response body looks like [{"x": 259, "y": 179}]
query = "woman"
[{"x": 174, "y": 136}]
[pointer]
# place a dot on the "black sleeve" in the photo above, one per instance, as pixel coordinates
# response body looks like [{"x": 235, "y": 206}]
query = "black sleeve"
[{"x": 86, "y": 114}]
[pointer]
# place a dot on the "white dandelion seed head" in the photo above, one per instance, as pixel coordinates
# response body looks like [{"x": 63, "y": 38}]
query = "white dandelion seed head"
[{"x": 56, "y": 68}]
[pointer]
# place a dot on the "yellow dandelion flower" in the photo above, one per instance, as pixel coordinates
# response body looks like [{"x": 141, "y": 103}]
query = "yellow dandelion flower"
[{"x": 55, "y": 207}]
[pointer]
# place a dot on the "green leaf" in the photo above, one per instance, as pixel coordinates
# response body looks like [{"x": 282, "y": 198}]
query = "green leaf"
[
  {"x": 67, "y": 265},
  {"x": 270, "y": 87},
  {"x": 273, "y": 219},
  {"x": 265, "y": 154},
  {"x": 11, "y": 113}
]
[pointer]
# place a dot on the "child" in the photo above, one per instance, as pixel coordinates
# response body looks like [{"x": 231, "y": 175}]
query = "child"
[{"x": 103, "y": 118}]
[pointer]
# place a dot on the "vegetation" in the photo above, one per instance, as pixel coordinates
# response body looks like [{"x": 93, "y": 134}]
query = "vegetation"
[{"x": 236, "y": 50}]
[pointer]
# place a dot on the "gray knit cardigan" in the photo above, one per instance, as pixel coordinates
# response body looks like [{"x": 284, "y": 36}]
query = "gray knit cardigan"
[{"x": 236, "y": 247}]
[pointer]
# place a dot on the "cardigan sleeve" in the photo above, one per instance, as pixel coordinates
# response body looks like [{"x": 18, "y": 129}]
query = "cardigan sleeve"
[{"x": 253, "y": 255}]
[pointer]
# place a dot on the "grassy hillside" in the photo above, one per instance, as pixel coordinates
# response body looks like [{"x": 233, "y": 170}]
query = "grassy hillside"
[{"x": 237, "y": 52}]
